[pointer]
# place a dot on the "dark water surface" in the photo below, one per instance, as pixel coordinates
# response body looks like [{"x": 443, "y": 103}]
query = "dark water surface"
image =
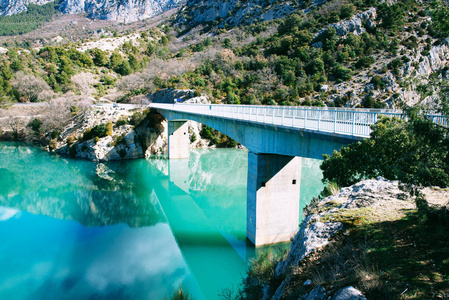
[{"x": 74, "y": 229}]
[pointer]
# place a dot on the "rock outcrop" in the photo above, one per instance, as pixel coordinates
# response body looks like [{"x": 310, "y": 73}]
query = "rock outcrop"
[
  {"x": 119, "y": 11},
  {"x": 233, "y": 12},
  {"x": 171, "y": 95},
  {"x": 11, "y": 7},
  {"x": 126, "y": 141}
]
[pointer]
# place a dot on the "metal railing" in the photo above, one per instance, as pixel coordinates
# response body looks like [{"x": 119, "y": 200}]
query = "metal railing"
[{"x": 346, "y": 121}]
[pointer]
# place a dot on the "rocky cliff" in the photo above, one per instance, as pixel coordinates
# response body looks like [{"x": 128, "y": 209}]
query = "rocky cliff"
[
  {"x": 11, "y": 7},
  {"x": 119, "y": 11},
  {"x": 233, "y": 12}
]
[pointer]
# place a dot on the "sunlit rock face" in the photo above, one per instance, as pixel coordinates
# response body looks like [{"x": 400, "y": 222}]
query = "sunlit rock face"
[
  {"x": 11, "y": 7},
  {"x": 116, "y": 10},
  {"x": 120, "y": 11}
]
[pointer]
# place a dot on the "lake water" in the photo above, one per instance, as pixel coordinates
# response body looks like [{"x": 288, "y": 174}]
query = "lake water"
[{"x": 74, "y": 229}]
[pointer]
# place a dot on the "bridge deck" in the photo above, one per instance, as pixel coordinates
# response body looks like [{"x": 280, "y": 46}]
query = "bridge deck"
[{"x": 344, "y": 121}]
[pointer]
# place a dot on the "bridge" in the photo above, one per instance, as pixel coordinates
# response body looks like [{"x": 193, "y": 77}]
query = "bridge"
[{"x": 276, "y": 137}]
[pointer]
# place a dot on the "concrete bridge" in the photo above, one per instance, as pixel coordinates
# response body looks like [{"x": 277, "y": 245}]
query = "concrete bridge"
[{"x": 276, "y": 137}]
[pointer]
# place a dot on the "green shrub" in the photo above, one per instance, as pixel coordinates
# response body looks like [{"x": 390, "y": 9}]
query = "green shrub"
[
  {"x": 122, "y": 121},
  {"x": 54, "y": 134},
  {"x": 74, "y": 110},
  {"x": 35, "y": 125},
  {"x": 70, "y": 140},
  {"x": 109, "y": 128},
  {"x": 413, "y": 151},
  {"x": 122, "y": 152}
]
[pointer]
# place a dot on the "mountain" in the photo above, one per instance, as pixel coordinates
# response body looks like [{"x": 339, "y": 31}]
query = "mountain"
[
  {"x": 116, "y": 10},
  {"x": 234, "y": 12},
  {"x": 12, "y": 7}
]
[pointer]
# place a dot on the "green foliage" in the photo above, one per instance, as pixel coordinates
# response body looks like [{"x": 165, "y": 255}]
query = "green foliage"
[
  {"x": 440, "y": 20},
  {"x": 74, "y": 110},
  {"x": 109, "y": 128},
  {"x": 35, "y": 125},
  {"x": 391, "y": 16},
  {"x": 136, "y": 118},
  {"x": 29, "y": 20},
  {"x": 261, "y": 274},
  {"x": 347, "y": 10},
  {"x": 99, "y": 131},
  {"x": 99, "y": 57},
  {"x": 414, "y": 151}
]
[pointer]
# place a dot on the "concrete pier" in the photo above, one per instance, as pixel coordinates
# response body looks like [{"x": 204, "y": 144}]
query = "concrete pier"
[
  {"x": 272, "y": 198},
  {"x": 178, "y": 140}
]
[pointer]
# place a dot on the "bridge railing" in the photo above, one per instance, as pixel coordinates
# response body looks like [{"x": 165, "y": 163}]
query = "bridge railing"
[{"x": 346, "y": 121}]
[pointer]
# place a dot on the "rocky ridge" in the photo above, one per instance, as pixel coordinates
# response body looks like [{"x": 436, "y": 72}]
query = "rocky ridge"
[
  {"x": 11, "y": 7},
  {"x": 233, "y": 12},
  {"x": 118, "y": 11}
]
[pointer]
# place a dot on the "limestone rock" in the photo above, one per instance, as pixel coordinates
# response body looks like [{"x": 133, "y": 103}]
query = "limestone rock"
[
  {"x": 348, "y": 293},
  {"x": 171, "y": 95},
  {"x": 233, "y": 12},
  {"x": 318, "y": 293},
  {"x": 312, "y": 235},
  {"x": 354, "y": 24},
  {"x": 115, "y": 10},
  {"x": 437, "y": 59},
  {"x": 11, "y": 7},
  {"x": 367, "y": 193}
]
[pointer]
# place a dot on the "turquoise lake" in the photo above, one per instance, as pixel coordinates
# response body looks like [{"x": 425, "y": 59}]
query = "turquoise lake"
[{"x": 75, "y": 229}]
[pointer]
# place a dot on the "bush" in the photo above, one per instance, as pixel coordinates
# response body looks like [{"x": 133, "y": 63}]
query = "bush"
[
  {"x": 109, "y": 128},
  {"x": 97, "y": 131},
  {"x": 413, "y": 152},
  {"x": 35, "y": 125},
  {"x": 122, "y": 121},
  {"x": 70, "y": 140},
  {"x": 54, "y": 134},
  {"x": 365, "y": 62}
]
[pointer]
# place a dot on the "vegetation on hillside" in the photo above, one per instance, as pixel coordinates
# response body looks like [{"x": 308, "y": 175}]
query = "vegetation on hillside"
[
  {"x": 28, "y": 20},
  {"x": 293, "y": 61}
]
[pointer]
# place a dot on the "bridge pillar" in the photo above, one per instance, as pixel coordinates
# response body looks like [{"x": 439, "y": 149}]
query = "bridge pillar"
[
  {"x": 272, "y": 198},
  {"x": 178, "y": 139}
]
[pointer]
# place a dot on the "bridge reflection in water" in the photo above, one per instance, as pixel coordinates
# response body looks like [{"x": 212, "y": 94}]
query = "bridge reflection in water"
[{"x": 200, "y": 230}]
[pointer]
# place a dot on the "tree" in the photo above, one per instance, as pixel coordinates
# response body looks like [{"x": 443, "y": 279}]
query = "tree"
[
  {"x": 30, "y": 88},
  {"x": 391, "y": 16},
  {"x": 115, "y": 60},
  {"x": 99, "y": 57},
  {"x": 414, "y": 151}
]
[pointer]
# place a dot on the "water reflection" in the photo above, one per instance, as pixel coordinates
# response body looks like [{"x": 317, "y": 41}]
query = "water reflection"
[{"x": 73, "y": 229}]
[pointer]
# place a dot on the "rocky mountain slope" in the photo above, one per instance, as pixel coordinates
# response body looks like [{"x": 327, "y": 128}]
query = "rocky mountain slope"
[
  {"x": 118, "y": 11},
  {"x": 11, "y": 7},
  {"x": 234, "y": 12}
]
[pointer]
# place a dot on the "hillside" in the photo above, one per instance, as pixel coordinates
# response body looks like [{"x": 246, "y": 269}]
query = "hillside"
[
  {"x": 367, "y": 240},
  {"x": 351, "y": 54}
]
